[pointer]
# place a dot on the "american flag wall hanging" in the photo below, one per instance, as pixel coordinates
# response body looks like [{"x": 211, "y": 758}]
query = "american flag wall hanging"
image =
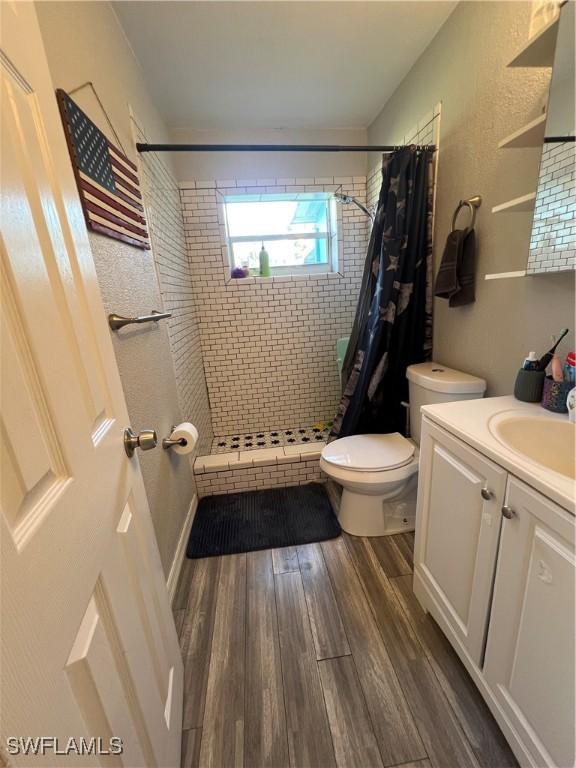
[{"x": 107, "y": 181}]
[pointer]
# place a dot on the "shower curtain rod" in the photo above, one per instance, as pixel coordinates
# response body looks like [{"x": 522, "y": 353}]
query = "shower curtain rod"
[{"x": 142, "y": 147}]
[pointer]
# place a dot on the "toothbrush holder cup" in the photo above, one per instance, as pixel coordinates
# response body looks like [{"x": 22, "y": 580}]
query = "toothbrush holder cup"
[
  {"x": 555, "y": 394},
  {"x": 529, "y": 386}
]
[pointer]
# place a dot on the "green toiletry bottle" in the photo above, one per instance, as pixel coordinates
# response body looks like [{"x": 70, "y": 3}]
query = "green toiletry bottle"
[{"x": 264, "y": 263}]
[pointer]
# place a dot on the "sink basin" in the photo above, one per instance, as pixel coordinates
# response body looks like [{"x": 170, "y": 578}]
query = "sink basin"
[{"x": 548, "y": 442}]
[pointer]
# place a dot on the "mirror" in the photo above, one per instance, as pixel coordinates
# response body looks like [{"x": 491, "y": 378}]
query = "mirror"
[{"x": 553, "y": 240}]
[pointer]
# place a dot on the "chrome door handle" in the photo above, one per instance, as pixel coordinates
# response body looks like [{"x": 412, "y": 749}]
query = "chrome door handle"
[
  {"x": 146, "y": 439},
  {"x": 486, "y": 494},
  {"x": 508, "y": 512}
]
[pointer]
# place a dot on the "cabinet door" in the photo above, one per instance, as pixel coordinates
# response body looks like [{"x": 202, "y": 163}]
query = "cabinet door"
[
  {"x": 530, "y": 648},
  {"x": 460, "y": 495}
]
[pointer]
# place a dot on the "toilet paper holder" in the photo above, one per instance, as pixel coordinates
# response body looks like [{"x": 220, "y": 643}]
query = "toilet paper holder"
[{"x": 168, "y": 442}]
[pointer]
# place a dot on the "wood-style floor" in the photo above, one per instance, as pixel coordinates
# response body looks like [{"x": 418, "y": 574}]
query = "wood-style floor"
[{"x": 319, "y": 655}]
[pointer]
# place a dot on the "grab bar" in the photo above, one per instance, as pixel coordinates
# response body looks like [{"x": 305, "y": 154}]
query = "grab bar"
[{"x": 118, "y": 321}]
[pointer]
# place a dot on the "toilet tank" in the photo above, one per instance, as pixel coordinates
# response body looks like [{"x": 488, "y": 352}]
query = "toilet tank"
[{"x": 430, "y": 383}]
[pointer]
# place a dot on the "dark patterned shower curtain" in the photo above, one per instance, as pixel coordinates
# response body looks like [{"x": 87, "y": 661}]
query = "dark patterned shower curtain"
[{"x": 393, "y": 324}]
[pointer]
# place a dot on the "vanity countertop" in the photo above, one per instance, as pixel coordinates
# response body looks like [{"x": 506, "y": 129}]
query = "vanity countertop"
[{"x": 469, "y": 420}]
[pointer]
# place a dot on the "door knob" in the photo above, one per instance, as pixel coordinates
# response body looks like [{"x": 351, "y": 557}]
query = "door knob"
[
  {"x": 486, "y": 494},
  {"x": 508, "y": 512},
  {"x": 146, "y": 439}
]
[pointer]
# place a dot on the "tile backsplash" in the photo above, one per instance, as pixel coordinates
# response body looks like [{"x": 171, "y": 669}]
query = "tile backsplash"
[
  {"x": 553, "y": 241},
  {"x": 268, "y": 344}
]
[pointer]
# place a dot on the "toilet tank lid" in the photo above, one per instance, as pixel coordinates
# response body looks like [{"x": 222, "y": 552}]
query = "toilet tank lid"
[{"x": 439, "y": 378}]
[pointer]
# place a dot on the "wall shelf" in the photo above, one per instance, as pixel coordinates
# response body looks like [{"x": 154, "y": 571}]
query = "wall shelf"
[
  {"x": 530, "y": 135},
  {"x": 539, "y": 50},
  {"x": 517, "y": 205},
  {"x": 505, "y": 275}
]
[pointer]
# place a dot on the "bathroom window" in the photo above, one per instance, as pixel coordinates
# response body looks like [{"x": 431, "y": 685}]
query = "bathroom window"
[{"x": 297, "y": 230}]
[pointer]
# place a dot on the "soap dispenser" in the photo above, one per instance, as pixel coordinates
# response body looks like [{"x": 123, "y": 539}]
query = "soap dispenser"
[{"x": 264, "y": 262}]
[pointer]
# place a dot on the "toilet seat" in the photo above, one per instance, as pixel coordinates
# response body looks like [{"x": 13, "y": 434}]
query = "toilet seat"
[
  {"x": 369, "y": 453},
  {"x": 370, "y": 480}
]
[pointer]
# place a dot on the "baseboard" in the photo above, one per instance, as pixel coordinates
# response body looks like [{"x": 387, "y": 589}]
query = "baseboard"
[{"x": 172, "y": 580}]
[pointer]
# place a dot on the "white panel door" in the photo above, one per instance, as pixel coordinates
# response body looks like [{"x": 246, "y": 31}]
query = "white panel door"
[
  {"x": 460, "y": 494},
  {"x": 531, "y": 644},
  {"x": 89, "y": 648}
]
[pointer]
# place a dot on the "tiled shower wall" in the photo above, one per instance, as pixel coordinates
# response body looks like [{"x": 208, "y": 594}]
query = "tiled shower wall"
[
  {"x": 269, "y": 343},
  {"x": 427, "y": 131},
  {"x": 553, "y": 241},
  {"x": 175, "y": 282}
]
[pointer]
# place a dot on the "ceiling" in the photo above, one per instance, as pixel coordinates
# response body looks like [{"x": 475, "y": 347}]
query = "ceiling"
[{"x": 214, "y": 65}]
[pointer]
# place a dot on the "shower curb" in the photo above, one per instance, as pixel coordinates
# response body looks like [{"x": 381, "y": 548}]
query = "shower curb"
[{"x": 249, "y": 470}]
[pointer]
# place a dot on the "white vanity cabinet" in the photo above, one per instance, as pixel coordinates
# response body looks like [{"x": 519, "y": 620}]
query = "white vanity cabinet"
[
  {"x": 529, "y": 662},
  {"x": 460, "y": 497},
  {"x": 498, "y": 575}
]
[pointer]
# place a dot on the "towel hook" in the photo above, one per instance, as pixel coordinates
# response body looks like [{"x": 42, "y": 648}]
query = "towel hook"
[{"x": 473, "y": 203}]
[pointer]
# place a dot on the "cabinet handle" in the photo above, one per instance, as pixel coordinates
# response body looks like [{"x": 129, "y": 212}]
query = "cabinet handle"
[
  {"x": 486, "y": 494},
  {"x": 508, "y": 512}
]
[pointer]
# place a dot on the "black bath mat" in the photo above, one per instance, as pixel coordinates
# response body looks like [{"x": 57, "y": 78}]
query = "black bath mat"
[{"x": 279, "y": 517}]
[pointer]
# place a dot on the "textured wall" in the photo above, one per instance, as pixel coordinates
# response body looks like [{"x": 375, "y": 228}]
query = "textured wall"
[
  {"x": 269, "y": 344},
  {"x": 73, "y": 34},
  {"x": 85, "y": 43},
  {"x": 268, "y": 165},
  {"x": 129, "y": 286},
  {"x": 482, "y": 101}
]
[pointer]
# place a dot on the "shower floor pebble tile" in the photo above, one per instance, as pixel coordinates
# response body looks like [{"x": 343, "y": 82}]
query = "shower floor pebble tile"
[{"x": 277, "y": 438}]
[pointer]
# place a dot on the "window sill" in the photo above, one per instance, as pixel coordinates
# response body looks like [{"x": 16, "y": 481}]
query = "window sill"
[{"x": 279, "y": 279}]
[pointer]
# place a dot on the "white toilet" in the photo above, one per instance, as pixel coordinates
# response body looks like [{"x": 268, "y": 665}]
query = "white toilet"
[{"x": 379, "y": 473}]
